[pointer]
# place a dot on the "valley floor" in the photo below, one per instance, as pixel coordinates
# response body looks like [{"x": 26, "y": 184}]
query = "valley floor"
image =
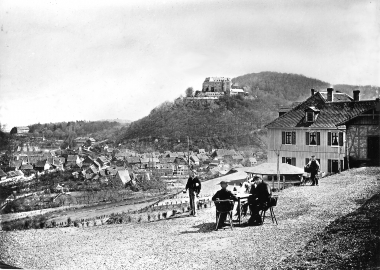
[{"x": 191, "y": 242}]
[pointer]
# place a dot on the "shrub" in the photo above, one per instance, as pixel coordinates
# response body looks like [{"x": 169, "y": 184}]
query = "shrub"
[
  {"x": 159, "y": 216},
  {"x": 27, "y": 224},
  {"x": 164, "y": 214},
  {"x": 69, "y": 220},
  {"x": 129, "y": 219},
  {"x": 149, "y": 217}
]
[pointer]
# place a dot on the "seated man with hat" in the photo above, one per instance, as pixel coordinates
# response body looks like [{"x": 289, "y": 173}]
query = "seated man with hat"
[
  {"x": 223, "y": 194},
  {"x": 261, "y": 194}
]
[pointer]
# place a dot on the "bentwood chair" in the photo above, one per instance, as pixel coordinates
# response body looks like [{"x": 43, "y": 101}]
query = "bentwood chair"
[
  {"x": 272, "y": 203},
  {"x": 224, "y": 206}
]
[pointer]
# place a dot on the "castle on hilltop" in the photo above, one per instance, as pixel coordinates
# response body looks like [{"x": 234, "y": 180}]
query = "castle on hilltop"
[{"x": 215, "y": 87}]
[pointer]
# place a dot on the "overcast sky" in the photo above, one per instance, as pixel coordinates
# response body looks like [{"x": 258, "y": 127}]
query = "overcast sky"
[{"x": 92, "y": 60}]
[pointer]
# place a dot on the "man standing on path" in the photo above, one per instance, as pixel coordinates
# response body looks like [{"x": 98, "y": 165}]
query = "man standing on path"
[
  {"x": 194, "y": 187},
  {"x": 313, "y": 168}
]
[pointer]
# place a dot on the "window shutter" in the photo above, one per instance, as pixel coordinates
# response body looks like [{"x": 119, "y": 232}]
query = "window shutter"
[
  {"x": 340, "y": 138},
  {"x": 293, "y": 137},
  {"x": 307, "y": 161},
  {"x": 318, "y": 138},
  {"x": 283, "y": 160},
  {"x": 293, "y": 161},
  {"x": 329, "y": 165},
  {"x": 307, "y": 138},
  {"x": 341, "y": 165},
  {"x": 283, "y": 137},
  {"x": 328, "y": 138}
]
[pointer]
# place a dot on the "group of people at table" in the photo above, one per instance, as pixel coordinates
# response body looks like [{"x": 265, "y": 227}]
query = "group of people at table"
[{"x": 260, "y": 195}]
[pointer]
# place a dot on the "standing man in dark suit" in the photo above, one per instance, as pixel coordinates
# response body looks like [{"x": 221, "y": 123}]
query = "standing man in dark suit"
[
  {"x": 313, "y": 168},
  {"x": 259, "y": 199},
  {"x": 223, "y": 194},
  {"x": 194, "y": 187}
]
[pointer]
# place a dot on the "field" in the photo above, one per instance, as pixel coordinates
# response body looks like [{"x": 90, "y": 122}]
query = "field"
[{"x": 303, "y": 213}]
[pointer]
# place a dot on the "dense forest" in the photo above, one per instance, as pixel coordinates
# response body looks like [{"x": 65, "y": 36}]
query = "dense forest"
[{"x": 230, "y": 122}]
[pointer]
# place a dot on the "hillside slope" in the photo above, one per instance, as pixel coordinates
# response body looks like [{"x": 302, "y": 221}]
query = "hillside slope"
[{"x": 230, "y": 122}]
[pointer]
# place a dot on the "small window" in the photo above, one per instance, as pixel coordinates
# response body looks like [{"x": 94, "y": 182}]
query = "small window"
[
  {"x": 313, "y": 138},
  {"x": 288, "y": 138},
  {"x": 310, "y": 116},
  {"x": 334, "y": 139},
  {"x": 289, "y": 160}
]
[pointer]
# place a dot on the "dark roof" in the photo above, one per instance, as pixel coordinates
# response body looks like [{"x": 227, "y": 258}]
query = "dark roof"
[
  {"x": 331, "y": 113},
  {"x": 2, "y": 173},
  {"x": 15, "y": 163},
  {"x": 40, "y": 163}
]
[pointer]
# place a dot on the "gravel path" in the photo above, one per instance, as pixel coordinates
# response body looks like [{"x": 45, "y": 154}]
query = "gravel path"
[{"x": 191, "y": 243}]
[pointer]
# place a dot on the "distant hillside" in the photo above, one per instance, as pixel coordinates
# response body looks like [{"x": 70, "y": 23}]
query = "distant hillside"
[
  {"x": 230, "y": 122},
  {"x": 366, "y": 91},
  {"x": 67, "y": 131},
  {"x": 289, "y": 87},
  {"x": 295, "y": 87}
]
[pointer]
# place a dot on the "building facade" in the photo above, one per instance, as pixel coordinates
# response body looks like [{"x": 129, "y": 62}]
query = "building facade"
[
  {"x": 317, "y": 127},
  {"x": 216, "y": 84}
]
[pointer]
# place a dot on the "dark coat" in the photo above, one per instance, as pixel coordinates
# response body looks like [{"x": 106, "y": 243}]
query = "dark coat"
[
  {"x": 191, "y": 184},
  {"x": 313, "y": 167},
  {"x": 261, "y": 193},
  {"x": 224, "y": 194}
]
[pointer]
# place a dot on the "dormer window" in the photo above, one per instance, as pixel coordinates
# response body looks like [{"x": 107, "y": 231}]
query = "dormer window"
[{"x": 310, "y": 116}]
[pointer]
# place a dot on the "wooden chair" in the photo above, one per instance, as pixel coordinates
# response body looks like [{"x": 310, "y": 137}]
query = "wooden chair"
[
  {"x": 272, "y": 203},
  {"x": 224, "y": 206}
]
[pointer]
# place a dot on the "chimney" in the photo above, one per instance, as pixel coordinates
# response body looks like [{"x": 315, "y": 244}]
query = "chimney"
[
  {"x": 356, "y": 95},
  {"x": 312, "y": 91},
  {"x": 330, "y": 94}
]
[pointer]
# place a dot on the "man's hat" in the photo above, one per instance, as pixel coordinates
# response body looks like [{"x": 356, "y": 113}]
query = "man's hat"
[
  {"x": 312, "y": 155},
  {"x": 223, "y": 182},
  {"x": 257, "y": 177}
]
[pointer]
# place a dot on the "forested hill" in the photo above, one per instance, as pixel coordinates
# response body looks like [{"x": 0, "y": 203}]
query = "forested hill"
[
  {"x": 291, "y": 87},
  {"x": 294, "y": 87},
  {"x": 230, "y": 122}
]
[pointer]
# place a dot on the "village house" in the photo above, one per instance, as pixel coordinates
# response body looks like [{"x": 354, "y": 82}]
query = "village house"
[
  {"x": 194, "y": 160},
  {"x": 42, "y": 165},
  {"x": 133, "y": 161},
  {"x": 252, "y": 161},
  {"x": 330, "y": 125},
  {"x": 121, "y": 178},
  {"x": 20, "y": 130}
]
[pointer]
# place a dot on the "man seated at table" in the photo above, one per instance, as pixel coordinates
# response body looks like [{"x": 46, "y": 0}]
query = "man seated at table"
[
  {"x": 259, "y": 199},
  {"x": 223, "y": 194}
]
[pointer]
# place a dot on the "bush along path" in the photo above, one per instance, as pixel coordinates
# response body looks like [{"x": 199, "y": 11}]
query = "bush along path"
[{"x": 349, "y": 242}]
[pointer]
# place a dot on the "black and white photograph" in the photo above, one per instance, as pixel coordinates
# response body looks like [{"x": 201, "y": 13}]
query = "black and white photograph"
[{"x": 188, "y": 134}]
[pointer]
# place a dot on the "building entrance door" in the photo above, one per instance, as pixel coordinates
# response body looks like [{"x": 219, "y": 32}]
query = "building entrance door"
[{"x": 373, "y": 151}]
